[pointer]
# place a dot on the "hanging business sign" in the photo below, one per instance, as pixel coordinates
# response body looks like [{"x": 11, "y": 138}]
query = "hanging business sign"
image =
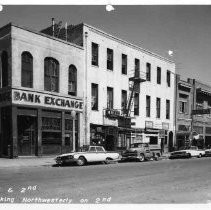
[
  {"x": 22, "y": 97},
  {"x": 201, "y": 111}
]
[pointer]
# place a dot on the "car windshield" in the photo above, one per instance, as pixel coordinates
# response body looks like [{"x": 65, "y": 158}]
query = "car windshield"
[{"x": 139, "y": 145}]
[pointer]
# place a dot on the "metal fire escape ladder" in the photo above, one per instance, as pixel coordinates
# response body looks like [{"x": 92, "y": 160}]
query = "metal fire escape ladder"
[{"x": 134, "y": 87}]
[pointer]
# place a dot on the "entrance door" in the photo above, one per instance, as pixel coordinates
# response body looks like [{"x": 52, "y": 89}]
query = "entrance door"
[
  {"x": 110, "y": 143},
  {"x": 27, "y": 137}
]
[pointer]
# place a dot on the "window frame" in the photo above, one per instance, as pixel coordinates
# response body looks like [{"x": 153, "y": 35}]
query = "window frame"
[
  {"x": 124, "y": 64},
  {"x": 167, "y": 109},
  {"x": 158, "y": 75},
  {"x": 94, "y": 86},
  {"x": 168, "y": 78},
  {"x": 110, "y": 101},
  {"x": 136, "y": 106},
  {"x": 148, "y": 72},
  {"x": 110, "y": 59},
  {"x": 53, "y": 61},
  {"x": 148, "y": 106},
  {"x": 72, "y": 80},
  {"x": 95, "y": 54},
  {"x": 158, "y": 108}
]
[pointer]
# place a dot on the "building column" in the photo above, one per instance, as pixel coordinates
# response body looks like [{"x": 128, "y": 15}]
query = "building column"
[
  {"x": 39, "y": 132},
  {"x": 63, "y": 131},
  {"x": 14, "y": 140}
]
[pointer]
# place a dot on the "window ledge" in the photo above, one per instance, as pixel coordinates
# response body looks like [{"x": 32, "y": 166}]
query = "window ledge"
[{"x": 95, "y": 66}]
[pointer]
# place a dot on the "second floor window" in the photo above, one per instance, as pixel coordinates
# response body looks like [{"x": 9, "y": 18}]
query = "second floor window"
[
  {"x": 168, "y": 78},
  {"x": 148, "y": 72},
  {"x": 136, "y": 104},
  {"x": 51, "y": 79},
  {"x": 72, "y": 81},
  {"x": 124, "y": 101},
  {"x": 4, "y": 62},
  {"x": 94, "y": 96},
  {"x": 110, "y": 58},
  {"x": 94, "y": 54},
  {"x": 26, "y": 70},
  {"x": 183, "y": 107},
  {"x": 158, "y": 75},
  {"x": 158, "y": 107},
  {"x": 124, "y": 64},
  {"x": 148, "y": 104},
  {"x": 137, "y": 67},
  {"x": 167, "y": 109},
  {"x": 110, "y": 102}
]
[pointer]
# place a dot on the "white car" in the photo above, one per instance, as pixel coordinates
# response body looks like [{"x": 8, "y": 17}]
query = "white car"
[
  {"x": 194, "y": 151},
  {"x": 87, "y": 155}
]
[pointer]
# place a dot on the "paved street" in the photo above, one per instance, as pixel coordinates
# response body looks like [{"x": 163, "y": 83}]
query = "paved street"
[{"x": 165, "y": 181}]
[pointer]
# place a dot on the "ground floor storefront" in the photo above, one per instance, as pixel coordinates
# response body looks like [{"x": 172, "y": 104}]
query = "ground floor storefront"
[
  {"x": 115, "y": 138},
  {"x": 30, "y": 129}
]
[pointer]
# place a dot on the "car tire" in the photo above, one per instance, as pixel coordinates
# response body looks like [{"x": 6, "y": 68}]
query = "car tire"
[
  {"x": 141, "y": 158},
  {"x": 189, "y": 155},
  {"x": 199, "y": 156},
  {"x": 81, "y": 161},
  {"x": 108, "y": 160}
]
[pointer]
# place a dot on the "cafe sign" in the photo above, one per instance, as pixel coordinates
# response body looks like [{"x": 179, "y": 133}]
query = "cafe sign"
[{"x": 21, "y": 97}]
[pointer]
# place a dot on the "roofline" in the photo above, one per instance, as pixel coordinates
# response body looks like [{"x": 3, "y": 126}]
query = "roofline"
[
  {"x": 42, "y": 34},
  {"x": 126, "y": 43}
]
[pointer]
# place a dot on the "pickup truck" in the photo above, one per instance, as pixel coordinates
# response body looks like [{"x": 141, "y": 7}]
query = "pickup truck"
[
  {"x": 88, "y": 154},
  {"x": 141, "y": 152}
]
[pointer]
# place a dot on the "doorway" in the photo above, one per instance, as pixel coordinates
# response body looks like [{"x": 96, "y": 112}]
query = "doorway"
[
  {"x": 27, "y": 135},
  {"x": 110, "y": 143},
  {"x": 171, "y": 141}
]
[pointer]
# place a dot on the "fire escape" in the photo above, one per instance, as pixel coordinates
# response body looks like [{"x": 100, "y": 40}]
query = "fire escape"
[{"x": 134, "y": 87}]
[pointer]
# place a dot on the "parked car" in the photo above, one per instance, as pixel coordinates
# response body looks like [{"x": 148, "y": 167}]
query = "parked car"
[
  {"x": 207, "y": 152},
  {"x": 139, "y": 151},
  {"x": 86, "y": 155},
  {"x": 187, "y": 152}
]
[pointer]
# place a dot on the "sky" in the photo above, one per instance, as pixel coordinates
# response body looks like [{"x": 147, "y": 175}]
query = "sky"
[{"x": 184, "y": 29}]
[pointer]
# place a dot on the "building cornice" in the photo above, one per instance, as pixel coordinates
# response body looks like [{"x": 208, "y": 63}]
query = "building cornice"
[{"x": 96, "y": 30}]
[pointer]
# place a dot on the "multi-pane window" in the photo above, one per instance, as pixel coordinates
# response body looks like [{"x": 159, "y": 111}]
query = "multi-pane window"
[
  {"x": 124, "y": 101},
  {"x": 183, "y": 107},
  {"x": 72, "y": 81},
  {"x": 110, "y": 99},
  {"x": 158, "y": 107},
  {"x": 51, "y": 80},
  {"x": 26, "y": 70},
  {"x": 168, "y": 78},
  {"x": 136, "y": 104},
  {"x": 110, "y": 58},
  {"x": 124, "y": 64},
  {"x": 148, "y": 72},
  {"x": 94, "y": 96},
  {"x": 95, "y": 54},
  {"x": 137, "y": 67},
  {"x": 158, "y": 75},
  {"x": 167, "y": 109},
  {"x": 4, "y": 62},
  {"x": 148, "y": 102}
]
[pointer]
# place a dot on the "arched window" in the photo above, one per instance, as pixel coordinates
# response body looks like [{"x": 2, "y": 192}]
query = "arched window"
[
  {"x": 26, "y": 70},
  {"x": 72, "y": 81},
  {"x": 4, "y": 61},
  {"x": 51, "y": 80}
]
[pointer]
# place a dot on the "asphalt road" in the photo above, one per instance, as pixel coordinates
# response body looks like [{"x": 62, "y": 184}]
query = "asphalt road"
[{"x": 164, "y": 182}]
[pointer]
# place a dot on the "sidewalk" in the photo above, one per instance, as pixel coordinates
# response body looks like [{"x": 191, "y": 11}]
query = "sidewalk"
[{"x": 26, "y": 162}]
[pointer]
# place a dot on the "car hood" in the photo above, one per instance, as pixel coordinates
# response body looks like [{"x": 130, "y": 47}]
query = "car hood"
[{"x": 71, "y": 153}]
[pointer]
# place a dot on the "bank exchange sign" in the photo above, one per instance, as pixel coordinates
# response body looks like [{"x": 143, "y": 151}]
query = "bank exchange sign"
[{"x": 30, "y": 98}]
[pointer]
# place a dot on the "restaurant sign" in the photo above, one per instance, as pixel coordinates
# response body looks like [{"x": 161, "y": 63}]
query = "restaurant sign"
[{"x": 46, "y": 100}]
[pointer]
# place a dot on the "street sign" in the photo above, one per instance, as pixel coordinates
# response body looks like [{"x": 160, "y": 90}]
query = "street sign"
[{"x": 201, "y": 111}]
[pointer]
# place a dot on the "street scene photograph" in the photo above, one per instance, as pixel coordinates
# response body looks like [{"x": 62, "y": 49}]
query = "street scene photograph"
[{"x": 105, "y": 104}]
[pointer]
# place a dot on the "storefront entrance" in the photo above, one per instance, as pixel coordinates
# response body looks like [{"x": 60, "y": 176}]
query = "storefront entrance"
[{"x": 27, "y": 137}]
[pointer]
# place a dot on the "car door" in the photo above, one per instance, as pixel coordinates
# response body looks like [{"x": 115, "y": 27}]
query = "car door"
[
  {"x": 91, "y": 154},
  {"x": 101, "y": 154}
]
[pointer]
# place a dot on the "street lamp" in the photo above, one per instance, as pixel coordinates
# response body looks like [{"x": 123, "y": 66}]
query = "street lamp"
[{"x": 73, "y": 114}]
